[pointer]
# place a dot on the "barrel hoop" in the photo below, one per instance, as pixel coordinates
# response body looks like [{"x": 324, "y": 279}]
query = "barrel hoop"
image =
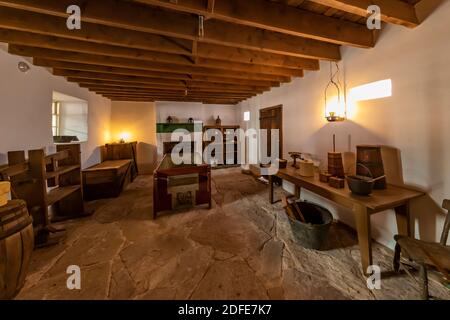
[
  {"x": 14, "y": 216},
  {"x": 23, "y": 224},
  {"x": 21, "y": 207}
]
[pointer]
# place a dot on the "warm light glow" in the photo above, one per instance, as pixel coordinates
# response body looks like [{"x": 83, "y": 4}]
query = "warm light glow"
[
  {"x": 335, "y": 109},
  {"x": 371, "y": 91},
  {"x": 124, "y": 136},
  {"x": 107, "y": 136},
  {"x": 247, "y": 116}
]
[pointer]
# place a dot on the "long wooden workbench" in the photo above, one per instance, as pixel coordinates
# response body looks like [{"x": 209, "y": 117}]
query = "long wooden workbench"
[{"x": 396, "y": 198}]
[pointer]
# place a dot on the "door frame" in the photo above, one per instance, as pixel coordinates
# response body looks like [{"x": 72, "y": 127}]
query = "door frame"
[{"x": 280, "y": 107}]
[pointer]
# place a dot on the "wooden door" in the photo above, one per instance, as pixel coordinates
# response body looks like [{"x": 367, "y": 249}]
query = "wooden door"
[{"x": 269, "y": 119}]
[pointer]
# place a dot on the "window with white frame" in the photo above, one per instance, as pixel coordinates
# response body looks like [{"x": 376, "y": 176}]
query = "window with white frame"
[
  {"x": 69, "y": 119},
  {"x": 55, "y": 118}
]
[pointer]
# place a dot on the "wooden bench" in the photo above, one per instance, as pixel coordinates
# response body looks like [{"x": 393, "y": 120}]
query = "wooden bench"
[{"x": 107, "y": 179}]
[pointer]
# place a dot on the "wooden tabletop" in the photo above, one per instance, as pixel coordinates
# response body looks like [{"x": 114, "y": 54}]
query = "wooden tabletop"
[
  {"x": 379, "y": 200},
  {"x": 109, "y": 164}
]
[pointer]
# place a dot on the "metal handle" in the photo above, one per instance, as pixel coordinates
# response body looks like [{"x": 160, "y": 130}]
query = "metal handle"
[{"x": 368, "y": 170}]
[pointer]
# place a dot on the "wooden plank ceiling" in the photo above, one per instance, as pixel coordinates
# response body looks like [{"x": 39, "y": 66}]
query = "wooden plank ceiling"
[{"x": 153, "y": 50}]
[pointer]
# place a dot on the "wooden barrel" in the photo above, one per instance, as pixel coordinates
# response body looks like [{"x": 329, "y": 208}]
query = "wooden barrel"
[
  {"x": 335, "y": 164},
  {"x": 16, "y": 246},
  {"x": 370, "y": 164}
]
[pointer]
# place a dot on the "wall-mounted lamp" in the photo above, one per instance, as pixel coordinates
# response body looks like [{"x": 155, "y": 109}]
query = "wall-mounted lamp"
[
  {"x": 23, "y": 66},
  {"x": 247, "y": 116},
  {"x": 124, "y": 137},
  {"x": 336, "y": 107}
]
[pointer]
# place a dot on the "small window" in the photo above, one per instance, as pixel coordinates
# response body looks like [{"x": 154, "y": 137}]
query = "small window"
[
  {"x": 69, "y": 119},
  {"x": 247, "y": 116},
  {"x": 55, "y": 118}
]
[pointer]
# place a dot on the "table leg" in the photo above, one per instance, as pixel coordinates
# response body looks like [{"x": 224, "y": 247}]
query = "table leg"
[
  {"x": 403, "y": 220},
  {"x": 155, "y": 197},
  {"x": 271, "y": 189},
  {"x": 362, "y": 218},
  {"x": 297, "y": 192}
]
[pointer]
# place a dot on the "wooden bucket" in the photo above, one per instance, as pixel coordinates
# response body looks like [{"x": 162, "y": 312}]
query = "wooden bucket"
[
  {"x": 335, "y": 164},
  {"x": 370, "y": 164},
  {"x": 16, "y": 246}
]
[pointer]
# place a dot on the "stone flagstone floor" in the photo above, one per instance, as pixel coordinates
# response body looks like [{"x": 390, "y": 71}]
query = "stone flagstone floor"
[{"x": 243, "y": 248}]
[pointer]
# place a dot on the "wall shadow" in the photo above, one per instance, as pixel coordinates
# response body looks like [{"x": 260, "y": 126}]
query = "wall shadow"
[
  {"x": 3, "y": 158},
  {"x": 424, "y": 211},
  {"x": 93, "y": 158},
  {"x": 147, "y": 157}
]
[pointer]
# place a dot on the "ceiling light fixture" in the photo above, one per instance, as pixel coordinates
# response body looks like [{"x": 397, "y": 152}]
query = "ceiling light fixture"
[{"x": 23, "y": 66}]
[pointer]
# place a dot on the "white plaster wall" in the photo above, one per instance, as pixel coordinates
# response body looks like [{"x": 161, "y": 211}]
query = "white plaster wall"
[
  {"x": 138, "y": 120},
  {"x": 25, "y": 109},
  {"x": 416, "y": 119}
]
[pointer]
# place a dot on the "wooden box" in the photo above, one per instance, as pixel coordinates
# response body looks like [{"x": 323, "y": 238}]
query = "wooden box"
[
  {"x": 177, "y": 186},
  {"x": 107, "y": 179},
  {"x": 337, "y": 183}
]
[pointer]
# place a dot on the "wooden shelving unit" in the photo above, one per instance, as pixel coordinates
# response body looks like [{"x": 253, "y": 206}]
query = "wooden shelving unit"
[
  {"x": 224, "y": 151},
  {"x": 50, "y": 185}
]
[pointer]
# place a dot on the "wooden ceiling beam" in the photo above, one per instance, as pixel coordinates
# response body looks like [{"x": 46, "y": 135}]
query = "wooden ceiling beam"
[
  {"x": 218, "y": 32},
  {"x": 124, "y": 78},
  {"x": 204, "y": 101},
  {"x": 171, "y": 92},
  {"x": 140, "y": 87},
  {"x": 214, "y": 51},
  {"x": 160, "y": 84},
  {"x": 166, "y": 58},
  {"x": 279, "y": 18},
  {"x": 172, "y": 96},
  {"x": 103, "y": 87},
  {"x": 156, "y": 96},
  {"x": 168, "y": 92},
  {"x": 148, "y": 73},
  {"x": 135, "y": 64},
  {"x": 392, "y": 11}
]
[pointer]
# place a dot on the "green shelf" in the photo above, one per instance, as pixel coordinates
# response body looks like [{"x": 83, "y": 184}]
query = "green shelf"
[{"x": 171, "y": 127}]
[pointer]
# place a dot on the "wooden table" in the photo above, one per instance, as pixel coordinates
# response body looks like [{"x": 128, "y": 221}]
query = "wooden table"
[{"x": 363, "y": 207}]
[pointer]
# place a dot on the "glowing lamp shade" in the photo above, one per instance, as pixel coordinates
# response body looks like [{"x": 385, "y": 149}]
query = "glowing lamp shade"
[
  {"x": 247, "y": 116},
  {"x": 335, "y": 110},
  {"x": 124, "y": 136},
  {"x": 371, "y": 91},
  {"x": 335, "y": 105}
]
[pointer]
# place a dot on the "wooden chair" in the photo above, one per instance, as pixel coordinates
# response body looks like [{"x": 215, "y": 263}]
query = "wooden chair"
[{"x": 425, "y": 254}]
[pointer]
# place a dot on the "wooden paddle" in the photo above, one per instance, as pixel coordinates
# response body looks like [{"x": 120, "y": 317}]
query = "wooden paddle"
[{"x": 293, "y": 209}]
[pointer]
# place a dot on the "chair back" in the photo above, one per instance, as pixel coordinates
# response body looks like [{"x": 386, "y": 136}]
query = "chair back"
[{"x": 444, "y": 237}]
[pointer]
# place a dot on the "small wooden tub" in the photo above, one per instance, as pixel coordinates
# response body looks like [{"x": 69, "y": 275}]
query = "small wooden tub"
[
  {"x": 16, "y": 246},
  {"x": 314, "y": 233}
]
